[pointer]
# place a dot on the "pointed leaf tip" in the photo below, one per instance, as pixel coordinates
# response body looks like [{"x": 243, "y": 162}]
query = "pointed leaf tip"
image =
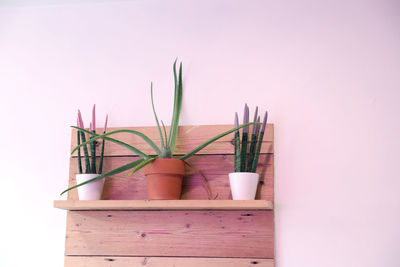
[
  {"x": 94, "y": 118},
  {"x": 264, "y": 122},
  {"x": 105, "y": 124},
  {"x": 246, "y": 118},
  {"x": 255, "y": 126},
  {"x": 80, "y": 119},
  {"x": 236, "y": 121},
  {"x": 255, "y": 114}
]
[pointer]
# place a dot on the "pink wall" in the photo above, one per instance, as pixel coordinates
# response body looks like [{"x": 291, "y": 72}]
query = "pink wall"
[{"x": 327, "y": 71}]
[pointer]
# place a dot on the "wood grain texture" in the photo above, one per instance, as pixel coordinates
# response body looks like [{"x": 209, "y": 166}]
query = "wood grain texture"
[
  {"x": 189, "y": 137},
  {"x": 163, "y": 204},
  {"x": 233, "y": 234},
  {"x": 172, "y": 237},
  {"x": 215, "y": 167},
  {"x": 76, "y": 261}
]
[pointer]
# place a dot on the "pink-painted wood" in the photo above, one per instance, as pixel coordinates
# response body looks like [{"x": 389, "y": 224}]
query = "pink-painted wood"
[
  {"x": 77, "y": 261},
  {"x": 246, "y": 234},
  {"x": 214, "y": 167}
]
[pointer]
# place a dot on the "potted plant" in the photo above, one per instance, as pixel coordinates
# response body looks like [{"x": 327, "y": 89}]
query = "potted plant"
[
  {"x": 244, "y": 180},
  {"x": 90, "y": 191},
  {"x": 164, "y": 173}
]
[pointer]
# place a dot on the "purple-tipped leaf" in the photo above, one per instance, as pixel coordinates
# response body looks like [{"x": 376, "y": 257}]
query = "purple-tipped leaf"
[
  {"x": 255, "y": 114},
  {"x": 94, "y": 118},
  {"x": 264, "y": 122},
  {"x": 80, "y": 119},
  {"x": 246, "y": 118},
  {"x": 236, "y": 121},
  {"x": 105, "y": 124},
  {"x": 256, "y": 127},
  {"x": 254, "y": 130}
]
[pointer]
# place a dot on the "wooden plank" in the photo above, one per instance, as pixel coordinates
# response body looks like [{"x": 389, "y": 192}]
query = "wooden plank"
[
  {"x": 239, "y": 234},
  {"x": 163, "y": 204},
  {"x": 77, "y": 261},
  {"x": 189, "y": 137},
  {"x": 215, "y": 167}
]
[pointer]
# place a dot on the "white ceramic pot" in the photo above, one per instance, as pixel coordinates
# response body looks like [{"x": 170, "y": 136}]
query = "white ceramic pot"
[
  {"x": 243, "y": 185},
  {"x": 90, "y": 191}
]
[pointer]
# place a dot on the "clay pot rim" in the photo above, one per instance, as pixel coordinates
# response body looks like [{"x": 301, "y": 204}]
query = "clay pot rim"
[{"x": 179, "y": 168}]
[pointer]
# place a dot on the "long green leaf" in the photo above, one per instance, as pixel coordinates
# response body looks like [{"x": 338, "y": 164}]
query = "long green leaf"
[
  {"x": 175, "y": 96},
  {"x": 93, "y": 154},
  {"x": 135, "y": 150},
  {"x": 85, "y": 151},
  {"x": 237, "y": 144},
  {"x": 257, "y": 153},
  {"x": 260, "y": 139},
  {"x": 101, "y": 157},
  {"x": 78, "y": 133},
  {"x": 251, "y": 153},
  {"x": 155, "y": 116},
  {"x": 109, "y": 173},
  {"x": 237, "y": 152},
  {"x": 141, "y": 165},
  {"x": 165, "y": 131},
  {"x": 177, "y": 108},
  {"x": 243, "y": 152},
  {"x": 215, "y": 138}
]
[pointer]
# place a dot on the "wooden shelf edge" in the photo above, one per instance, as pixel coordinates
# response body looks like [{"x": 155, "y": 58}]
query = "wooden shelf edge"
[{"x": 163, "y": 204}]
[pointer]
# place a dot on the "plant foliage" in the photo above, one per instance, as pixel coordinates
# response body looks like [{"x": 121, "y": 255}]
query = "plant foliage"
[
  {"x": 247, "y": 161},
  {"x": 168, "y": 143}
]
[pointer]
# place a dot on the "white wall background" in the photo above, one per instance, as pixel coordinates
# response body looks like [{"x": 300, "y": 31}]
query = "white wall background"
[{"x": 327, "y": 71}]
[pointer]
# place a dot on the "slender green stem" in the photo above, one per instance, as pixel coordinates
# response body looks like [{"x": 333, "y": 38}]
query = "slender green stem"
[
  {"x": 85, "y": 150},
  {"x": 251, "y": 152},
  {"x": 141, "y": 165},
  {"x": 237, "y": 151},
  {"x": 175, "y": 101},
  {"x": 93, "y": 154},
  {"x": 243, "y": 152},
  {"x": 101, "y": 156},
  {"x": 155, "y": 116},
  {"x": 79, "y": 151},
  {"x": 177, "y": 111},
  {"x": 260, "y": 139},
  {"x": 257, "y": 153},
  {"x": 165, "y": 132}
]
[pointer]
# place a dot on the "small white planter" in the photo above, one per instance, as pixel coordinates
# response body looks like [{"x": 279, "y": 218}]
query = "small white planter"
[
  {"x": 243, "y": 185},
  {"x": 90, "y": 191}
]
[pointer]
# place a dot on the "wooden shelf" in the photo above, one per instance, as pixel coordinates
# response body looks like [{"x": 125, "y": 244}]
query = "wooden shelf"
[{"x": 163, "y": 204}]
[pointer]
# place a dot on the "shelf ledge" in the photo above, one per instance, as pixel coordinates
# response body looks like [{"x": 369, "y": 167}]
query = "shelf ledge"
[{"x": 163, "y": 204}]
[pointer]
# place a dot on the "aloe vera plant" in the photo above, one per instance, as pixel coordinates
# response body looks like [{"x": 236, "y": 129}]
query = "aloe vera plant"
[
  {"x": 247, "y": 161},
  {"x": 89, "y": 157},
  {"x": 168, "y": 141}
]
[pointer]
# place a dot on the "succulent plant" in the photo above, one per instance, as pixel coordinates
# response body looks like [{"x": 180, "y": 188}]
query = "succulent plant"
[
  {"x": 90, "y": 158},
  {"x": 167, "y": 142},
  {"x": 247, "y": 161}
]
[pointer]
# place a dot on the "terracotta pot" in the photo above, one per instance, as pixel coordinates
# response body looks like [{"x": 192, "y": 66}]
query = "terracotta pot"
[{"x": 164, "y": 178}]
